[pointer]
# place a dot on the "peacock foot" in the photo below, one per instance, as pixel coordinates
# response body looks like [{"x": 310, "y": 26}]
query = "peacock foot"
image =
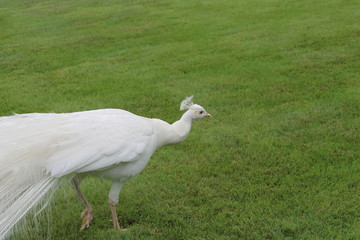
[
  {"x": 118, "y": 227},
  {"x": 87, "y": 215}
]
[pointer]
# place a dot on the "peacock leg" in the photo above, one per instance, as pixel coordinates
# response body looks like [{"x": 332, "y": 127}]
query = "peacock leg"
[
  {"x": 113, "y": 200},
  {"x": 114, "y": 215},
  {"x": 87, "y": 213}
]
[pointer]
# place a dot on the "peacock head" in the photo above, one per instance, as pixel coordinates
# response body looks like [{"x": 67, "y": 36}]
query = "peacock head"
[{"x": 195, "y": 110}]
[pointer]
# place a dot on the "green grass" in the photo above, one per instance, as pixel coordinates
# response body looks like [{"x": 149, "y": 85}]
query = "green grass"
[{"x": 278, "y": 160}]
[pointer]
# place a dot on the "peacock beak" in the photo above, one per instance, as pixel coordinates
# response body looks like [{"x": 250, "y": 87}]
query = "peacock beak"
[{"x": 208, "y": 114}]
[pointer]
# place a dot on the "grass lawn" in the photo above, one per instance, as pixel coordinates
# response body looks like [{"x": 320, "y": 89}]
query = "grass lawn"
[{"x": 278, "y": 160}]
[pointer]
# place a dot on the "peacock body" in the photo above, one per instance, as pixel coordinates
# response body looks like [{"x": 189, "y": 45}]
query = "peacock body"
[{"x": 39, "y": 149}]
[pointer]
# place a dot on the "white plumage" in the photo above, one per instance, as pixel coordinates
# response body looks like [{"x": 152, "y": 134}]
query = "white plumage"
[{"x": 38, "y": 149}]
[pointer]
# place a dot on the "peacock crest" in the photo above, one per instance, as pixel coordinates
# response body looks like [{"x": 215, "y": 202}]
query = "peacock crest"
[{"x": 187, "y": 103}]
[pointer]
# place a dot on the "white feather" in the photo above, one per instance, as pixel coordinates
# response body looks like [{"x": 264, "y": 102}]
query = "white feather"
[{"x": 187, "y": 103}]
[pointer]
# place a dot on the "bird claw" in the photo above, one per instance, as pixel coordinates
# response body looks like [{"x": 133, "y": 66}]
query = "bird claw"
[
  {"x": 118, "y": 227},
  {"x": 88, "y": 217}
]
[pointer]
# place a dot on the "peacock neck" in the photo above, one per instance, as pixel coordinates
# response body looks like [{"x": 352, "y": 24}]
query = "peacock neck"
[
  {"x": 174, "y": 133},
  {"x": 182, "y": 127}
]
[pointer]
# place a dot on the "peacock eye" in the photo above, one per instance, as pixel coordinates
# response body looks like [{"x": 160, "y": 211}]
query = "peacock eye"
[{"x": 201, "y": 112}]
